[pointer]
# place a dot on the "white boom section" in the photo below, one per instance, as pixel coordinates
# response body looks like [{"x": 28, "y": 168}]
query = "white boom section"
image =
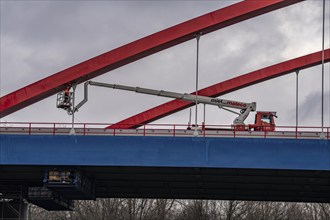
[{"x": 246, "y": 108}]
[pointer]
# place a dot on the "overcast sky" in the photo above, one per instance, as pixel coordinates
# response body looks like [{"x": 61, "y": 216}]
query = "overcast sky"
[{"x": 40, "y": 38}]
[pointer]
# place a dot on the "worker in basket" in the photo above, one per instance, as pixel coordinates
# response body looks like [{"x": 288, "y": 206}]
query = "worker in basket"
[{"x": 66, "y": 97}]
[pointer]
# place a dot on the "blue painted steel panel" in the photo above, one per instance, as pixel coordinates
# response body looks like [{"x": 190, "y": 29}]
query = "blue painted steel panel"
[{"x": 165, "y": 152}]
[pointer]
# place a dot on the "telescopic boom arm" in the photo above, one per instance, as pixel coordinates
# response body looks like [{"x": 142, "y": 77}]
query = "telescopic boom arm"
[{"x": 245, "y": 108}]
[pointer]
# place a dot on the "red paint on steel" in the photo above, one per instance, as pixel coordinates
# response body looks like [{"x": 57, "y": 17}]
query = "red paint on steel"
[
  {"x": 136, "y": 50},
  {"x": 225, "y": 87}
]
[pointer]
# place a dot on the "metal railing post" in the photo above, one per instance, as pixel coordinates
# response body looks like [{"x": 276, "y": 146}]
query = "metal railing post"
[
  {"x": 203, "y": 127},
  {"x": 234, "y": 131},
  {"x": 173, "y": 130},
  {"x": 30, "y": 128},
  {"x": 144, "y": 130}
]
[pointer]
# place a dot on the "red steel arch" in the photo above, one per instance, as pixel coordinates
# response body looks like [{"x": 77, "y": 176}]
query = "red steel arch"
[
  {"x": 136, "y": 50},
  {"x": 225, "y": 87}
]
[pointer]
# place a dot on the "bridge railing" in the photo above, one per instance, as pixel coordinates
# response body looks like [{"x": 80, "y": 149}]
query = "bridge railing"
[{"x": 169, "y": 130}]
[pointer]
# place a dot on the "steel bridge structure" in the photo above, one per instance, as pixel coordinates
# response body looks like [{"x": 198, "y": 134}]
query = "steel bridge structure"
[{"x": 45, "y": 165}]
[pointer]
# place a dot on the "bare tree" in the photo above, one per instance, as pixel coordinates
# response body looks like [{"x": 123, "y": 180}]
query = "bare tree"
[
  {"x": 197, "y": 209},
  {"x": 317, "y": 211},
  {"x": 325, "y": 211},
  {"x": 164, "y": 209},
  {"x": 232, "y": 210},
  {"x": 266, "y": 210}
]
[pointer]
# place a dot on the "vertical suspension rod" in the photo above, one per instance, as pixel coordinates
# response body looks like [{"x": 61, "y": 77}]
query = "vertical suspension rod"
[
  {"x": 323, "y": 27},
  {"x": 197, "y": 67},
  {"x": 297, "y": 96}
]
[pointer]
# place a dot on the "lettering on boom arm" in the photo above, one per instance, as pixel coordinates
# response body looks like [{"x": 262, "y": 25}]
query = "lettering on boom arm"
[{"x": 232, "y": 103}]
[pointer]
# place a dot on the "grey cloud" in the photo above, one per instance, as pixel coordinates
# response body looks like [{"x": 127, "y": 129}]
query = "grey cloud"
[{"x": 310, "y": 109}]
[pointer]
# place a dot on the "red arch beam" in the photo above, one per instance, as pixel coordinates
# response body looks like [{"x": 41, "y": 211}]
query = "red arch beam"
[
  {"x": 136, "y": 50},
  {"x": 225, "y": 87}
]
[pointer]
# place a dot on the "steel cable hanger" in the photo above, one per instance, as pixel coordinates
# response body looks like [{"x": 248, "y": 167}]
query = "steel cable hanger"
[{"x": 323, "y": 27}]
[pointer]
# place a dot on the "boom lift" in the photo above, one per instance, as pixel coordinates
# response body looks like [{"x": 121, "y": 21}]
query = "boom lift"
[{"x": 264, "y": 121}]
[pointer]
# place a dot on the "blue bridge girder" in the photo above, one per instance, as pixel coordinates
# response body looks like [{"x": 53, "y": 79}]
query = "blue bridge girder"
[{"x": 176, "y": 167}]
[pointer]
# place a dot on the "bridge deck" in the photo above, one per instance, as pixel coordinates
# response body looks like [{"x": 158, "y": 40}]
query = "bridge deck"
[{"x": 176, "y": 167}]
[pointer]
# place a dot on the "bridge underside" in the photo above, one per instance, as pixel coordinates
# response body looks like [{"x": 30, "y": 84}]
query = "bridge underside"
[{"x": 186, "y": 183}]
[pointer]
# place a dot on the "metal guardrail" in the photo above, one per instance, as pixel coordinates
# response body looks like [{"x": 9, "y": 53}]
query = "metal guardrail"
[{"x": 168, "y": 130}]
